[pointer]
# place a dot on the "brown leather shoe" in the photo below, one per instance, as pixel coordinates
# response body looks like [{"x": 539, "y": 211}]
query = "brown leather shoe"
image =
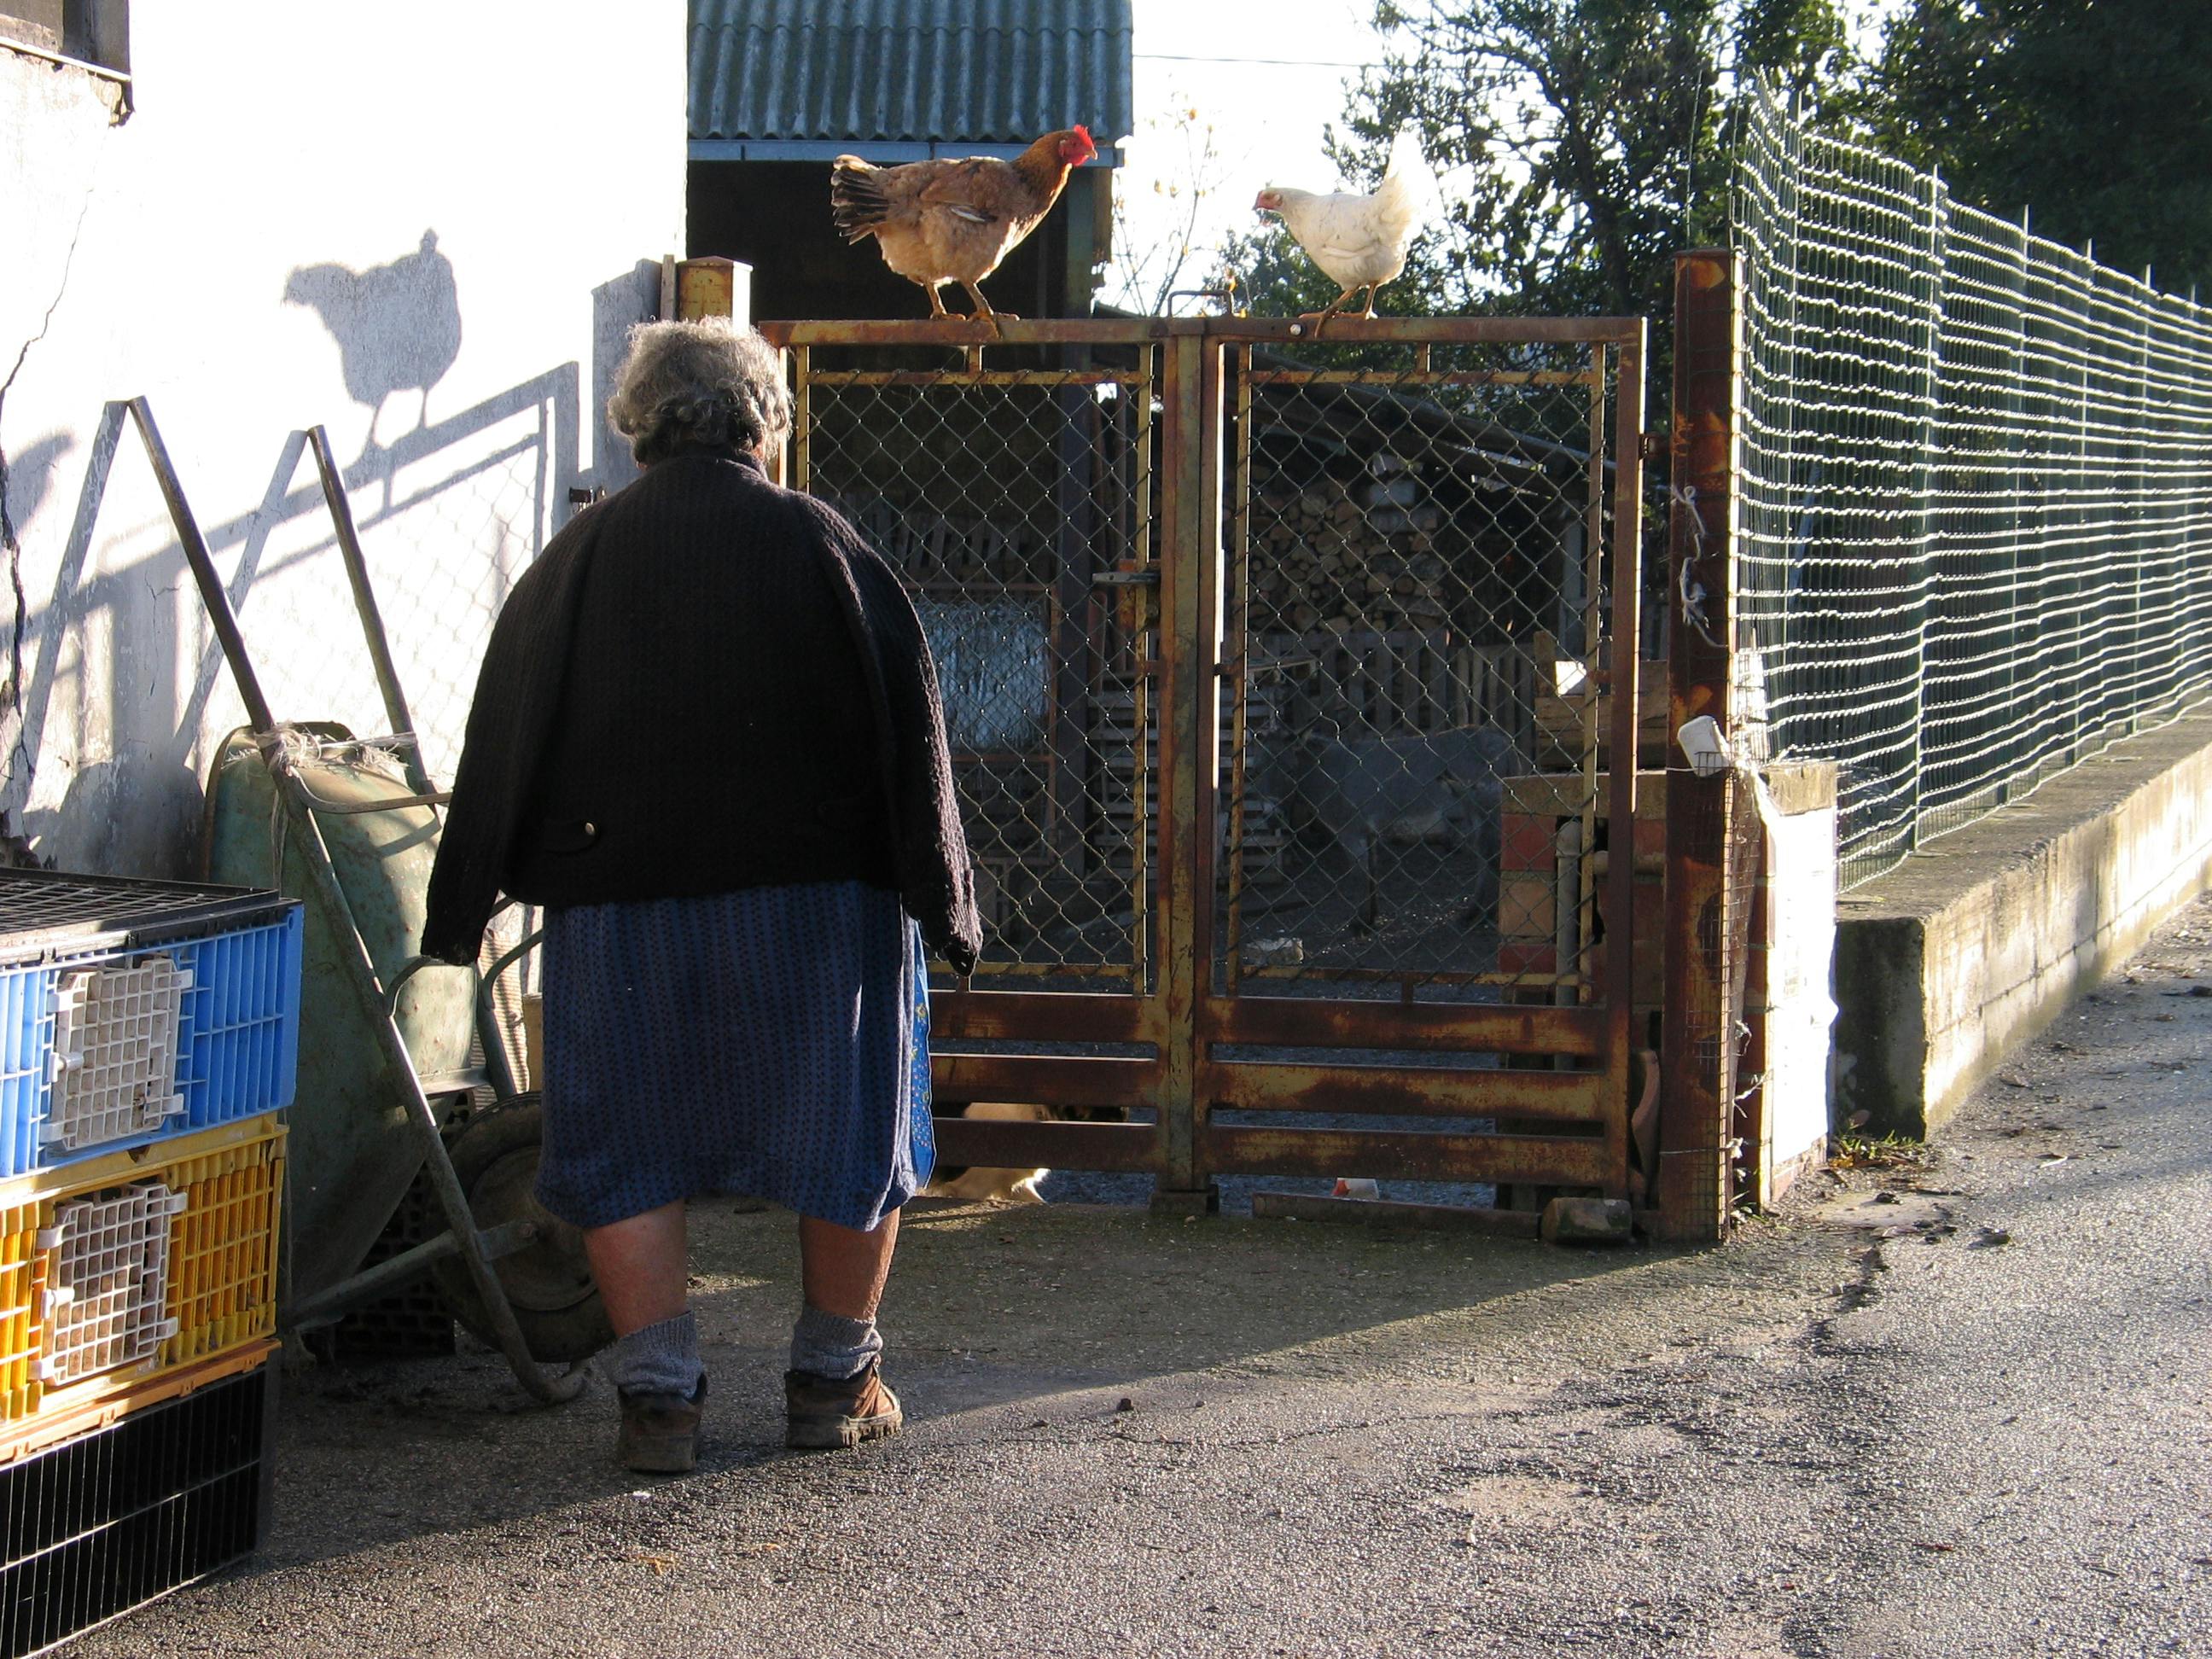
[
  {"x": 659, "y": 1432},
  {"x": 821, "y": 1414}
]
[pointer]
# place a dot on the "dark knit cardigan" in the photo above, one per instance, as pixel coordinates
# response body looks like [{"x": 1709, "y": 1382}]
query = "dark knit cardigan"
[{"x": 705, "y": 683}]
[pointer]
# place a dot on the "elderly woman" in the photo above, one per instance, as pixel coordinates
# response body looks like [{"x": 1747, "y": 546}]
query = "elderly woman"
[{"x": 707, "y": 737}]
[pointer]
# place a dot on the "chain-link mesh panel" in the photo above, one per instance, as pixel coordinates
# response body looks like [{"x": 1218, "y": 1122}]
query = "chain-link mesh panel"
[
  {"x": 448, "y": 517},
  {"x": 1975, "y": 467},
  {"x": 1017, "y": 506},
  {"x": 1420, "y": 630}
]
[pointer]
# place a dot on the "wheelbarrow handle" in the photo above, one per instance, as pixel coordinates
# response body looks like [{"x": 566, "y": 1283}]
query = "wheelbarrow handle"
[
  {"x": 407, "y": 970},
  {"x": 495, "y": 1055},
  {"x": 415, "y": 964},
  {"x": 495, "y": 1060},
  {"x": 507, "y": 959}
]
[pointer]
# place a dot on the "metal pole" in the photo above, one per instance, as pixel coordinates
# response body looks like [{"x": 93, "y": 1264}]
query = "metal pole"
[
  {"x": 364, "y": 601},
  {"x": 1927, "y": 482},
  {"x": 1620, "y": 989},
  {"x": 1237, "y": 670},
  {"x": 220, "y": 617},
  {"x": 1143, "y": 914},
  {"x": 1703, "y": 912},
  {"x": 1595, "y": 678},
  {"x": 1190, "y": 736},
  {"x": 802, "y": 419}
]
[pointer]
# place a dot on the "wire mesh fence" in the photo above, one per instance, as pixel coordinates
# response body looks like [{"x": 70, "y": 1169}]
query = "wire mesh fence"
[
  {"x": 1019, "y": 506},
  {"x": 1421, "y": 616},
  {"x": 448, "y": 521},
  {"x": 1975, "y": 490},
  {"x": 1418, "y": 611}
]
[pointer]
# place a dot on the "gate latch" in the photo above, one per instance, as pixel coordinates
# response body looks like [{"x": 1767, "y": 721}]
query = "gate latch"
[{"x": 1136, "y": 599}]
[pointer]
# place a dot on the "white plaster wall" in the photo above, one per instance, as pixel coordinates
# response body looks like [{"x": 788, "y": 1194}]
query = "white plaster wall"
[{"x": 467, "y": 202}]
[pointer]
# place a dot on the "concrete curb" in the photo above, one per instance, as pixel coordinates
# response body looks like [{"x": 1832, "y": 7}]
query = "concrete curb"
[{"x": 1951, "y": 961}]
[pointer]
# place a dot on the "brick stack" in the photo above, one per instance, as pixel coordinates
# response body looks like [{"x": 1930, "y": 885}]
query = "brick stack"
[{"x": 1533, "y": 811}]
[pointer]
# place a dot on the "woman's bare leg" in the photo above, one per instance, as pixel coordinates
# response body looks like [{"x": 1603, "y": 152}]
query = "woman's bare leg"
[
  {"x": 834, "y": 1393},
  {"x": 842, "y": 1269},
  {"x": 641, "y": 1265}
]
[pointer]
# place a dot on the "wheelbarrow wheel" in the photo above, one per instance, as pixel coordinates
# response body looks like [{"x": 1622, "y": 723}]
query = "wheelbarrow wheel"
[{"x": 548, "y": 1285}]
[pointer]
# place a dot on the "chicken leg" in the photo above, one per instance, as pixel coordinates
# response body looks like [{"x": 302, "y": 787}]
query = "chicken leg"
[
  {"x": 1320, "y": 318},
  {"x": 983, "y": 312}
]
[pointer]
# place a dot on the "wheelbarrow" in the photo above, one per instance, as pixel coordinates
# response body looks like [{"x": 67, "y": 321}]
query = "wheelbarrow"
[{"x": 386, "y": 1070}]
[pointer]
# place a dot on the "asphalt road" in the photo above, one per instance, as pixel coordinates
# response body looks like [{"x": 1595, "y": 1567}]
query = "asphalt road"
[{"x": 1967, "y": 1418}]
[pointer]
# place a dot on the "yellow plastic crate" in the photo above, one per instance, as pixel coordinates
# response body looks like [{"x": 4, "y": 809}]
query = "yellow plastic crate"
[
  {"x": 22, "y": 1295},
  {"x": 82, "y": 1411},
  {"x": 220, "y": 1285},
  {"x": 222, "y": 1248}
]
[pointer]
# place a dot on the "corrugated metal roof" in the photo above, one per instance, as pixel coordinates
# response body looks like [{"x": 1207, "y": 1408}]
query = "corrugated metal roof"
[{"x": 984, "y": 72}]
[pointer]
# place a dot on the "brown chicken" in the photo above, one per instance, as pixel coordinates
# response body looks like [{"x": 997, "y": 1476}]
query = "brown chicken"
[{"x": 944, "y": 220}]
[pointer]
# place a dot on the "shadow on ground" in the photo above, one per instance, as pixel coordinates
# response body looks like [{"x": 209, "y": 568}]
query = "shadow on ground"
[
  {"x": 1947, "y": 1403},
  {"x": 1000, "y": 1321}
]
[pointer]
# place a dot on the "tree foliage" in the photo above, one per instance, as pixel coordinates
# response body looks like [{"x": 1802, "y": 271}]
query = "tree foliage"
[
  {"x": 1586, "y": 140},
  {"x": 1583, "y": 139},
  {"x": 2095, "y": 115},
  {"x": 1153, "y": 252}
]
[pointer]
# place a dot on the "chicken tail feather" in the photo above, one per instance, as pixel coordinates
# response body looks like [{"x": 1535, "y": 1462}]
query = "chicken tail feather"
[
  {"x": 857, "y": 202},
  {"x": 1407, "y": 194}
]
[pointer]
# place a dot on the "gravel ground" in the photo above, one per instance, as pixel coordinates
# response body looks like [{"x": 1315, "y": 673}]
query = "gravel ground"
[{"x": 1951, "y": 1403}]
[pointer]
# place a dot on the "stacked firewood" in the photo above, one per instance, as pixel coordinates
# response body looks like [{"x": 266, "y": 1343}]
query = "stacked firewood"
[
  {"x": 1328, "y": 558},
  {"x": 937, "y": 553}
]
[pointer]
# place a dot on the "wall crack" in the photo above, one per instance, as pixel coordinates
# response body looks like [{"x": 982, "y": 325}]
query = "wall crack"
[{"x": 11, "y": 694}]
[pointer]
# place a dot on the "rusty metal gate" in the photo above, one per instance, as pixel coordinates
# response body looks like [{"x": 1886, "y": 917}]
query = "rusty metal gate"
[{"x": 1283, "y": 679}]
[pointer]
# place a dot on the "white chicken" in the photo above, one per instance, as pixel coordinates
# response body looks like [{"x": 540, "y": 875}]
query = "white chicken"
[{"x": 1359, "y": 241}]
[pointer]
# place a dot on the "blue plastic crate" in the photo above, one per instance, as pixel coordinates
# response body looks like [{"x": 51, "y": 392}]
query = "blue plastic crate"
[
  {"x": 27, "y": 1044},
  {"x": 238, "y": 1045},
  {"x": 237, "y": 1033}
]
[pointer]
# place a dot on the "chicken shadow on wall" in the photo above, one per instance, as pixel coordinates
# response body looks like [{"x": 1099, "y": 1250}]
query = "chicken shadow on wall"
[
  {"x": 474, "y": 521},
  {"x": 397, "y": 325}
]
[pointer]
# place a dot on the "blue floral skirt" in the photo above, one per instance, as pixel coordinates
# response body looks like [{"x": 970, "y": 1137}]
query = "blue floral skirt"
[{"x": 773, "y": 1042}]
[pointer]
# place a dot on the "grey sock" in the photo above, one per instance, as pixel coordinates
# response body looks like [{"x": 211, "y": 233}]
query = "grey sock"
[
  {"x": 829, "y": 1345},
  {"x": 661, "y": 1358}
]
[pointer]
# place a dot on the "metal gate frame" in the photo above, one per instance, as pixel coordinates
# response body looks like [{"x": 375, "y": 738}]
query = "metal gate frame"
[{"x": 1579, "y": 1116}]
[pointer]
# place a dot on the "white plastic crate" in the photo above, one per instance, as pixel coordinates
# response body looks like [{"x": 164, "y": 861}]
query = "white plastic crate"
[
  {"x": 107, "y": 1295},
  {"x": 115, "y": 1051}
]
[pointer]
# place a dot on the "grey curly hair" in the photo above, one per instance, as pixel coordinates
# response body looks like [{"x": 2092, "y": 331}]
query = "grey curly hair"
[{"x": 694, "y": 385}]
